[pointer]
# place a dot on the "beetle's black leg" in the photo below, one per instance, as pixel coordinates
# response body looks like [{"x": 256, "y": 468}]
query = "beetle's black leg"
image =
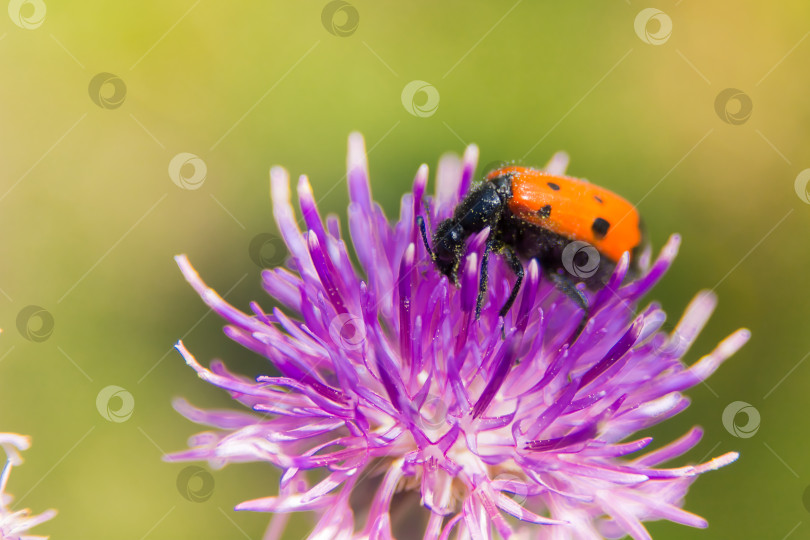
[
  {"x": 517, "y": 268},
  {"x": 482, "y": 285},
  {"x": 421, "y": 222},
  {"x": 567, "y": 286}
]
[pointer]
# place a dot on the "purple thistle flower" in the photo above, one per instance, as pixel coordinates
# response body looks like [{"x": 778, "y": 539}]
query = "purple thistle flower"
[
  {"x": 389, "y": 385},
  {"x": 14, "y": 523}
]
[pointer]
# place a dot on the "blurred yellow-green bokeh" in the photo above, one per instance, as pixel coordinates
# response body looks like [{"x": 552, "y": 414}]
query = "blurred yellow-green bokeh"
[{"x": 91, "y": 218}]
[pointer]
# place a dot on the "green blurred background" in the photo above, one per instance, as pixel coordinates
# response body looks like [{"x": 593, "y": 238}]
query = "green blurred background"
[{"x": 91, "y": 218}]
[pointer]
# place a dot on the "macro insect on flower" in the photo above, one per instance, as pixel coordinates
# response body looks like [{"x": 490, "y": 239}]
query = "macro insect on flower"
[
  {"x": 424, "y": 420},
  {"x": 533, "y": 214}
]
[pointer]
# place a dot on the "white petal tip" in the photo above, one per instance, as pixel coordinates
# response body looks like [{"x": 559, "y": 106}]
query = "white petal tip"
[
  {"x": 357, "y": 152},
  {"x": 558, "y": 163},
  {"x": 675, "y": 240},
  {"x": 734, "y": 342},
  {"x": 304, "y": 187},
  {"x": 409, "y": 253},
  {"x": 707, "y": 299},
  {"x": 716, "y": 463},
  {"x": 278, "y": 173}
]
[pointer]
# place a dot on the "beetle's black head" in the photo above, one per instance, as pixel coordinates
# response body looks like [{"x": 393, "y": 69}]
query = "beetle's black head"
[{"x": 448, "y": 245}]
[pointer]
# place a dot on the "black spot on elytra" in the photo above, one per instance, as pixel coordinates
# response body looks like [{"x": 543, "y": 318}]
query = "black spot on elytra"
[
  {"x": 545, "y": 211},
  {"x": 598, "y": 199},
  {"x": 600, "y": 227},
  {"x": 553, "y": 186}
]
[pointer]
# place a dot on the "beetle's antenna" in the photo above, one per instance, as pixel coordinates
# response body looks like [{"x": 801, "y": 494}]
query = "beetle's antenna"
[
  {"x": 421, "y": 222},
  {"x": 426, "y": 207}
]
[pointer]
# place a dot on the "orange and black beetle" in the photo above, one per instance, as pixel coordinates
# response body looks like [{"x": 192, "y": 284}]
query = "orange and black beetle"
[{"x": 533, "y": 214}]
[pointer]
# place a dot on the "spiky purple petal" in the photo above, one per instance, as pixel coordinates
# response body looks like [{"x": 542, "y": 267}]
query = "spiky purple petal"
[{"x": 386, "y": 378}]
